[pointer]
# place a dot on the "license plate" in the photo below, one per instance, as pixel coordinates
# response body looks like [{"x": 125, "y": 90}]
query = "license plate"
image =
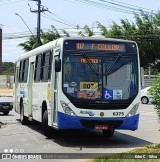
[
  {"x": 5, "y": 107},
  {"x": 102, "y": 127}
]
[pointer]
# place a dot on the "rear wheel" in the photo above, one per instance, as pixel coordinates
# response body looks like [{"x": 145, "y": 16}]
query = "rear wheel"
[
  {"x": 23, "y": 119},
  {"x": 108, "y": 133},
  {"x": 6, "y": 112},
  {"x": 145, "y": 100}
]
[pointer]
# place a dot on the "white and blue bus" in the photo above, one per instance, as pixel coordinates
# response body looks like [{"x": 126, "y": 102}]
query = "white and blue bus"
[{"x": 80, "y": 83}]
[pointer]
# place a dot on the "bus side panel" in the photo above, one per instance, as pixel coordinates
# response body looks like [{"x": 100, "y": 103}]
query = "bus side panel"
[{"x": 39, "y": 95}]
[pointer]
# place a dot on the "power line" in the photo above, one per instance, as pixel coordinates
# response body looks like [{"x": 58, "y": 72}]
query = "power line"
[
  {"x": 62, "y": 19},
  {"x": 146, "y": 36},
  {"x": 142, "y": 8},
  {"x": 128, "y": 6},
  {"x": 53, "y": 19},
  {"x": 111, "y": 6},
  {"x": 100, "y": 5},
  {"x": 27, "y": 34},
  {"x": 10, "y": 1}
]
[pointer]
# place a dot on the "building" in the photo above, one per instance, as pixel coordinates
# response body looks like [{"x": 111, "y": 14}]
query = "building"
[{"x": 0, "y": 51}]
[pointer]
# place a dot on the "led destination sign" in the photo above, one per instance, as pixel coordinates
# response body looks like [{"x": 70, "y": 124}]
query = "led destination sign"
[
  {"x": 99, "y": 46},
  {"x": 95, "y": 45}
]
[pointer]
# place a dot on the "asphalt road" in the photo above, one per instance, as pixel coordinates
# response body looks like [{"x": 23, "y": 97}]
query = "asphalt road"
[{"x": 30, "y": 138}]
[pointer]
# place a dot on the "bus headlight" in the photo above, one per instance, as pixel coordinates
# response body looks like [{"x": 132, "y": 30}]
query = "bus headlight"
[
  {"x": 67, "y": 109},
  {"x": 133, "y": 111}
]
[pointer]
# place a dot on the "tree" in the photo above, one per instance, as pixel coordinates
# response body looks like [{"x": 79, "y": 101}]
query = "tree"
[
  {"x": 102, "y": 28},
  {"x": 147, "y": 38},
  {"x": 155, "y": 93},
  {"x": 7, "y": 68},
  {"x": 51, "y": 35},
  {"x": 145, "y": 31},
  {"x": 87, "y": 32},
  {"x": 30, "y": 44},
  {"x": 46, "y": 37}
]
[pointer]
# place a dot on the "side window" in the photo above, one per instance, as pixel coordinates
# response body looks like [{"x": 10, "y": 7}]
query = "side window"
[
  {"x": 46, "y": 66},
  {"x": 23, "y": 72},
  {"x": 25, "y": 75},
  {"x": 37, "y": 74}
]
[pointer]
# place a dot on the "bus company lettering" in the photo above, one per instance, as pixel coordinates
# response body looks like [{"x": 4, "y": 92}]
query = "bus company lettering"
[
  {"x": 106, "y": 47},
  {"x": 90, "y": 113}
]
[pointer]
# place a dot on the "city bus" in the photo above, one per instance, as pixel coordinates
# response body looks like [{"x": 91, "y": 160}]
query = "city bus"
[{"x": 80, "y": 83}]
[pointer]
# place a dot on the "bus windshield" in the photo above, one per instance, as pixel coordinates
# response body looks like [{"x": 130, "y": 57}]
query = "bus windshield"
[{"x": 100, "y": 77}]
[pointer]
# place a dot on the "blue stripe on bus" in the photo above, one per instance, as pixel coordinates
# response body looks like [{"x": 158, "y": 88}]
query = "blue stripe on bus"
[{"x": 73, "y": 122}]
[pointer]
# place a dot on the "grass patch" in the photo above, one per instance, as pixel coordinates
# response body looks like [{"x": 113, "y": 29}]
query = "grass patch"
[{"x": 146, "y": 154}]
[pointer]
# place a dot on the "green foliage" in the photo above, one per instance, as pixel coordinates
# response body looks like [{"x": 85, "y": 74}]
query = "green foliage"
[
  {"x": 102, "y": 28},
  {"x": 145, "y": 31},
  {"x": 30, "y": 44},
  {"x": 87, "y": 32},
  {"x": 46, "y": 37},
  {"x": 155, "y": 93},
  {"x": 7, "y": 68},
  {"x": 51, "y": 35}
]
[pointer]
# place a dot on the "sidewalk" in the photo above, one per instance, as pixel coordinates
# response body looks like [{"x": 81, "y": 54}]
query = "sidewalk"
[{"x": 6, "y": 92}]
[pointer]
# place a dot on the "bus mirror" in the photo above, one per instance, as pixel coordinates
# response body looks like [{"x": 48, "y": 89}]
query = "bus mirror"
[{"x": 57, "y": 64}]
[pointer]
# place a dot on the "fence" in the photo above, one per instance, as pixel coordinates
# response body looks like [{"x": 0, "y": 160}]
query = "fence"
[{"x": 148, "y": 79}]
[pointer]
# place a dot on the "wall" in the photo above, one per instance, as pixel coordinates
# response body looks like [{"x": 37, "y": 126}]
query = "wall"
[
  {"x": 6, "y": 81},
  {"x": 0, "y": 51},
  {"x": 148, "y": 80}
]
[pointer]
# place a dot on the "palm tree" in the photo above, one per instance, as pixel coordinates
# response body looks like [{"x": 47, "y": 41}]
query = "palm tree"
[
  {"x": 87, "y": 32},
  {"x": 30, "y": 44},
  {"x": 46, "y": 37}
]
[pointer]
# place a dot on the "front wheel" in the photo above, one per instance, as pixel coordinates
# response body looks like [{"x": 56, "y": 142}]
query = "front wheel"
[
  {"x": 108, "y": 133},
  {"x": 48, "y": 131}
]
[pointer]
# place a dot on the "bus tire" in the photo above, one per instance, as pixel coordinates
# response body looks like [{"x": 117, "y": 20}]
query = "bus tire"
[
  {"x": 23, "y": 119},
  {"x": 108, "y": 133},
  {"x": 46, "y": 129}
]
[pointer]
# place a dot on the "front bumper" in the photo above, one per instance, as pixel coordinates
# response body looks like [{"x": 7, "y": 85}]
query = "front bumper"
[
  {"x": 5, "y": 107},
  {"x": 75, "y": 122}
]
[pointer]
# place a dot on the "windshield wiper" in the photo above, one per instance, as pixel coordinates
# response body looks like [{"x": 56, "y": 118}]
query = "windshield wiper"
[
  {"x": 94, "y": 70},
  {"x": 90, "y": 64},
  {"x": 113, "y": 65}
]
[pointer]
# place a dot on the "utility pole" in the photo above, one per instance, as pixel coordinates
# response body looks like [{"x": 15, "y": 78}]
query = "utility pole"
[{"x": 39, "y": 20}]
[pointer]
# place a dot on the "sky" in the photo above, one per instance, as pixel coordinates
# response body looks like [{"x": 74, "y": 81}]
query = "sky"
[{"x": 63, "y": 14}]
